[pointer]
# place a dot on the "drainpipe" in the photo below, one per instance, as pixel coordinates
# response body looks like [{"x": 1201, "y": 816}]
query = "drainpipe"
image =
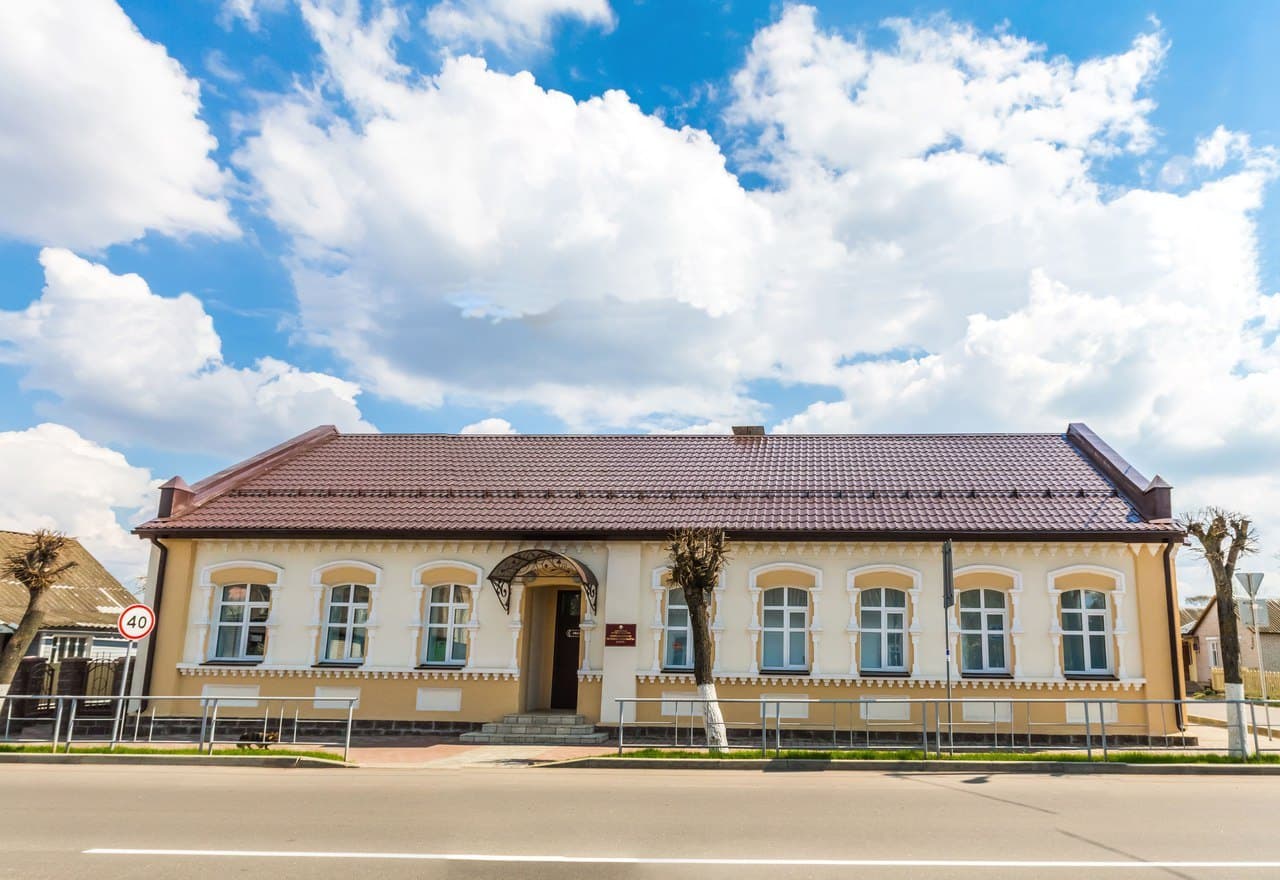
[
  {"x": 1174, "y": 632},
  {"x": 161, "y": 565}
]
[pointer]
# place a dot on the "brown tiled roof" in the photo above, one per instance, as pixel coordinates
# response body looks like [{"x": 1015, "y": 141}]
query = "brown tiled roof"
[
  {"x": 610, "y": 485},
  {"x": 85, "y": 596}
]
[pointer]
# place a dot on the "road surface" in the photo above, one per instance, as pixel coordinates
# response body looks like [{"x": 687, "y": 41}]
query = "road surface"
[{"x": 215, "y": 822}]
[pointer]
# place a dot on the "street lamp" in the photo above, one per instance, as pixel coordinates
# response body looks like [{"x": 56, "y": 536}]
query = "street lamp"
[{"x": 1252, "y": 583}]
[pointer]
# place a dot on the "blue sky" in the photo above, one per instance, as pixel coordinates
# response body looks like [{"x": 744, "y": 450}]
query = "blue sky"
[{"x": 631, "y": 216}]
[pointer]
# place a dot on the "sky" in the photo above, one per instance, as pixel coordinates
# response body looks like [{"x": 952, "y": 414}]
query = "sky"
[{"x": 224, "y": 222}]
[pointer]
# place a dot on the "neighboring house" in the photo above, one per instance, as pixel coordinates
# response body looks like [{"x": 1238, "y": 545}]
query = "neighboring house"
[
  {"x": 449, "y": 580},
  {"x": 83, "y": 608},
  {"x": 1206, "y": 643}
]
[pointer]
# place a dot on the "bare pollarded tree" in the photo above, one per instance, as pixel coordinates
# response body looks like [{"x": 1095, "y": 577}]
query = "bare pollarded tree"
[
  {"x": 1222, "y": 537},
  {"x": 36, "y": 567},
  {"x": 697, "y": 558}
]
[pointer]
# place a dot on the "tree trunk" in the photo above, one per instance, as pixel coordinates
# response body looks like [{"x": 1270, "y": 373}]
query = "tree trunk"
[
  {"x": 16, "y": 649},
  {"x": 1229, "y": 633},
  {"x": 712, "y": 718}
]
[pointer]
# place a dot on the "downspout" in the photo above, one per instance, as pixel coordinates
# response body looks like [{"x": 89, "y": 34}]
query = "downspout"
[
  {"x": 161, "y": 564},
  {"x": 1174, "y": 631}
]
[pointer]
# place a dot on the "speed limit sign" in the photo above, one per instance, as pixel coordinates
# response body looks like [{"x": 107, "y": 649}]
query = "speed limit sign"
[{"x": 136, "y": 622}]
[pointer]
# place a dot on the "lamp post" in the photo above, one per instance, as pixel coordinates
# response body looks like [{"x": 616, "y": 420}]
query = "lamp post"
[{"x": 1252, "y": 582}]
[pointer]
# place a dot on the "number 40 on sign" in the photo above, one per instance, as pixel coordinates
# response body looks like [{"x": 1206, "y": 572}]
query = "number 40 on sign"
[{"x": 136, "y": 622}]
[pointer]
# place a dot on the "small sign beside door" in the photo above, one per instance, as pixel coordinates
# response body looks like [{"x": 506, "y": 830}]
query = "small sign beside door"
[{"x": 620, "y": 635}]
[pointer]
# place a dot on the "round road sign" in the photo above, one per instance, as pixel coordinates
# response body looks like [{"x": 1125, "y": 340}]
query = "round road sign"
[{"x": 136, "y": 622}]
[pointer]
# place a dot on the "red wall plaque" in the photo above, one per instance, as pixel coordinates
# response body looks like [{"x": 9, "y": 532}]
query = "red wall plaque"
[{"x": 620, "y": 635}]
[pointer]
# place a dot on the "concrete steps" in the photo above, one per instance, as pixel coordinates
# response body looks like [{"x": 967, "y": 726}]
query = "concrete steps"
[{"x": 537, "y": 728}]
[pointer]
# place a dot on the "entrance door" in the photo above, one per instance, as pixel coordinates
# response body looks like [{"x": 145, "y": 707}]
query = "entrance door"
[{"x": 564, "y": 662}]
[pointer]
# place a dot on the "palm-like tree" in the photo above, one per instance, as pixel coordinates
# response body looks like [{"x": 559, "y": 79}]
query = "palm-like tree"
[
  {"x": 697, "y": 558},
  {"x": 35, "y": 567}
]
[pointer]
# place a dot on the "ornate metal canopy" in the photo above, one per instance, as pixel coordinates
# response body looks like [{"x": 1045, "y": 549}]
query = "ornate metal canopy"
[{"x": 537, "y": 563}]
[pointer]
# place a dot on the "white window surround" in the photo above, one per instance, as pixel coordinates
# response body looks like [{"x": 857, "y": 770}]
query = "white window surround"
[
  {"x": 853, "y": 628},
  {"x": 1014, "y": 619},
  {"x": 658, "y": 584},
  {"x": 754, "y": 628},
  {"x": 320, "y": 604},
  {"x": 1118, "y": 631},
  {"x": 272, "y": 576},
  {"x": 421, "y": 585}
]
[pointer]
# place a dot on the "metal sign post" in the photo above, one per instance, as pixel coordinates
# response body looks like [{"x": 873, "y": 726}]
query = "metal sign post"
[
  {"x": 1252, "y": 583},
  {"x": 135, "y": 624},
  {"x": 948, "y": 599}
]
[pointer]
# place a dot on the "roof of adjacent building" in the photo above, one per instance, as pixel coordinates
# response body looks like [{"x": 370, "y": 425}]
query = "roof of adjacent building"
[
  {"x": 86, "y": 596},
  {"x": 525, "y": 486},
  {"x": 1272, "y": 626}
]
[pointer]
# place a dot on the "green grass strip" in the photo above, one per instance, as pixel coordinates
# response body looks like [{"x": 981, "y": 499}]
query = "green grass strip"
[
  {"x": 134, "y": 750},
  {"x": 917, "y": 755}
]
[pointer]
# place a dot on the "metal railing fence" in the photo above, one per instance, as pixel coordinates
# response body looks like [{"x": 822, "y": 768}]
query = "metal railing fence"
[
  {"x": 61, "y": 721},
  {"x": 1096, "y": 726}
]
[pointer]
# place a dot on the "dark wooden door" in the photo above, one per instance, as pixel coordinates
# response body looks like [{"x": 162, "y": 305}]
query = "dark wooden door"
[{"x": 564, "y": 662}]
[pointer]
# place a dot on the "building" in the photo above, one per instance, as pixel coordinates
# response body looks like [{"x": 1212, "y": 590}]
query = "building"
[
  {"x": 83, "y": 606},
  {"x": 1206, "y": 645},
  {"x": 448, "y": 580}
]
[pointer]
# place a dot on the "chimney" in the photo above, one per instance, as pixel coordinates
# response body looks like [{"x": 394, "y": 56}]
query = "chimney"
[
  {"x": 175, "y": 498},
  {"x": 1158, "y": 499},
  {"x": 748, "y": 430}
]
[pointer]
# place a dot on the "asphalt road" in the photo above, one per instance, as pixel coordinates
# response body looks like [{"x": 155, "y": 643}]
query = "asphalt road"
[{"x": 549, "y": 823}]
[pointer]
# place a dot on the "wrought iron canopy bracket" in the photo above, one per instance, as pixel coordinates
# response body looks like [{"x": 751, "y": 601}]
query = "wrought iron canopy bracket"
[{"x": 545, "y": 562}]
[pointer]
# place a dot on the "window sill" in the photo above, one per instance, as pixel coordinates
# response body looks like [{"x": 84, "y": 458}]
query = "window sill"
[
  {"x": 444, "y": 666},
  {"x": 782, "y": 671},
  {"x": 232, "y": 663},
  {"x": 999, "y": 676},
  {"x": 883, "y": 673},
  {"x": 1087, "y": 676},
  {"x": 677, "y": 670},
  {"x": 337, "y": 664}
]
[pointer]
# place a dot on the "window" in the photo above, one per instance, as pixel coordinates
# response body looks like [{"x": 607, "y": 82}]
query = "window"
[
  {"x": 1085, "y": 633},
  {"x": 242, "y": 622},
  {"x": 677, "y": 652},
  {"x": 786, "y": 621},
  {"x": 346, "y": 624},
  {"x": 982, "y": 632},
  {"x": 1215, "y": 651},
  {"x": 447, "y": 631},
  {"x": 883, "y": 622}
]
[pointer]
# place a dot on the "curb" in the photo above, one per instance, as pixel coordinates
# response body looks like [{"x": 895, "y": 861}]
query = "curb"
[
  {"x": 802, "y": 765},
  {"x": 1205, "y": 721},
  {"x": 279, "y": 761}
]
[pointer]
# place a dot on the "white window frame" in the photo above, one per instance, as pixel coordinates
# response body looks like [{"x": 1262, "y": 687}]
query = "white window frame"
[
  {"x": 349, "y": 628},
  {"x": 1215, "y": 651},
  {"x": 670, "y": 629},
  {"x": 884, "y": 630},
  {"x": 789, "y": 663},
  {"x": 1084, "y": 633},
  {"x": 451, "y": 625},
  {"x": 983, "y": 632},
  {"x": 244, "y": 624}
]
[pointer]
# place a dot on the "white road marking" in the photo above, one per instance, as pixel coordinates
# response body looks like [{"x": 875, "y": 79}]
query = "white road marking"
[{"x": 657, "y": 860}]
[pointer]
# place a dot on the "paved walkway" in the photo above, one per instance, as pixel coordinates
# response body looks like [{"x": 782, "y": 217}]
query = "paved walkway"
[{"x": 439, "y": 754}]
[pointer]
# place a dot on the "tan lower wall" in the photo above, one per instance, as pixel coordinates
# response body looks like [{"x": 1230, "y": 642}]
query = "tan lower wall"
[
  {"x": 1035, "y": 711},
  {"x": 589, "y": 700},
  {"x": 380, "y": 699}
]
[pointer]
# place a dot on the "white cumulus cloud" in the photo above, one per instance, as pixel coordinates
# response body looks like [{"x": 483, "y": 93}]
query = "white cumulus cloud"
[
  {"x": 53, "y": 478},
  {"x": 101, "y": 138},
  {"x": 489, "y": 426},
  {"x": 510, "y": 24},
  {"x": 134, "y": 367},
  {"x": 936, "y": 244}
]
